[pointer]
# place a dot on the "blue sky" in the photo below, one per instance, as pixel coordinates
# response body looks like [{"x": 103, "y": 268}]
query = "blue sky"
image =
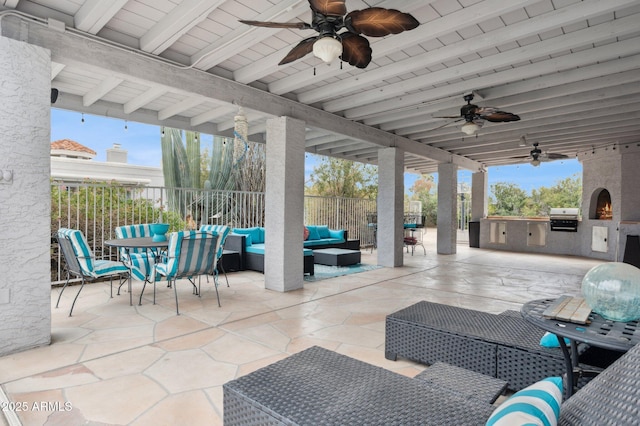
[{"x": 142, "y": 142}]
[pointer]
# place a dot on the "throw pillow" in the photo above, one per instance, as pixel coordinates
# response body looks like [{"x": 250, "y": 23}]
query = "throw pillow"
[
  {"x": 306, "y": 233},
  {"x": 550, "y": 340},
  {"x": 323, "y": 231},
  {"x": 538, "y": 404},
  {"x": 313, "y": 233}
]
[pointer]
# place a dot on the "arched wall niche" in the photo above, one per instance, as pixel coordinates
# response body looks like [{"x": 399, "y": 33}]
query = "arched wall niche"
[{"x": 601, "y": 208}]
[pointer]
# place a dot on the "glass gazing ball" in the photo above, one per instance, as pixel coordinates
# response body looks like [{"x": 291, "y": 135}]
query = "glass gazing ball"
[{"x": 613, "y": 291}]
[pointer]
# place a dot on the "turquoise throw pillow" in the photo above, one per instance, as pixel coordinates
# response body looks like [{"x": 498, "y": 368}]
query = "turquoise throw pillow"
[
  {"x": 538, "y": 404},
  {"x": 313, "y": 233},
  {"x": 336, "y": 233},
  {"x": 323, "y": 231},
  {"x": 549, "y": 340}
]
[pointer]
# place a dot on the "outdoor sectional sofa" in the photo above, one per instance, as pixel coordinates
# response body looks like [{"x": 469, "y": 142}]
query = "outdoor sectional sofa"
[{"x": 249, "y": 243}]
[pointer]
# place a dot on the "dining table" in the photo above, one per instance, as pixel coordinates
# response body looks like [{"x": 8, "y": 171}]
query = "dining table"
[{"x": 148, "y": 244}]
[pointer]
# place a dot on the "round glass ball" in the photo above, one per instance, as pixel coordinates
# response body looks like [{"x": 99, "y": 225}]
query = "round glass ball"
[{"x": 613, "y": 291}]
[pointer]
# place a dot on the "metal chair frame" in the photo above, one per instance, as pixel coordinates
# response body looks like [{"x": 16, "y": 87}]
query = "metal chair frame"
[{"x": 73, "y": 267}]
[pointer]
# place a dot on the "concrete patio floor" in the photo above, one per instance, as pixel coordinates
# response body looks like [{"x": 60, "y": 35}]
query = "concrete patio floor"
[{"x": 116, "y": 364}]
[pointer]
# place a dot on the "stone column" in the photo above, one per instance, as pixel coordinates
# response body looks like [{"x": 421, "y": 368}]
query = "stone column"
[
  {"x": 479, "y": 195},
  {"x": 447, "y": 207},
  {"x": 390, "y": 206},
  {"x": 284, "y": 204},
  {"x": 25, "y": 196}
]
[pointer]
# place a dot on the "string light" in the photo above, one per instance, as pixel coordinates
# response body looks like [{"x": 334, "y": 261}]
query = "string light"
[
  {"x": 162, "y": 130},
  {"x": 125, "y": 125},
  {"x": 82, "y": 119}
]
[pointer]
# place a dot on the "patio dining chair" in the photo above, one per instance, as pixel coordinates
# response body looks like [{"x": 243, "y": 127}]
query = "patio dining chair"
[
  {"x": 189, "y": 255},
  {"x": 222, "y": 231},
  {"x": 82, "y": 263},
  {"x": 140, "y": 258}
]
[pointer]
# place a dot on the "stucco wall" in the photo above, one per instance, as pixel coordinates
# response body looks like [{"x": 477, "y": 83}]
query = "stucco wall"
[{"x": 25, "y": 284}]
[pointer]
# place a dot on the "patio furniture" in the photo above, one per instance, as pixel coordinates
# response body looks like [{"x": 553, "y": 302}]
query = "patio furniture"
[
  {"x": 81, "y": 262},
  {"x": 336, "y": 257},
  {"x": 136, "y": 257},
  {"x": 148, "y": 250},
  {"x": 252, "y": 255},
  {"x": 598, "y": 332},
  {"x": 190, "y": 254},
  {"x": 467, "y": 383},
  {"x": 319, "y": 386},
  {"x": 503, "y": 346},
  {"x": 222, "y": 231}
]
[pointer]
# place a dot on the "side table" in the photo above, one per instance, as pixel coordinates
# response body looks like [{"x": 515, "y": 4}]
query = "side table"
[{"x": 599, "y": 332}]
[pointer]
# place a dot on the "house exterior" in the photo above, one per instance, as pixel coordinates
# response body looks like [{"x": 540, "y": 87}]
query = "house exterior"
[{"x": 74, "y": 162}]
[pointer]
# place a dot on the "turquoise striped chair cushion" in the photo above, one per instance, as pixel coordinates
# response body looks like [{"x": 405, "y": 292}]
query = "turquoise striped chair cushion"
[
  {"x": 139, "y": 259},
  {"x": 88, "y": 264},
  {"x": 222, "y": 231},
  {"x": 538, "y": 404},
  {"x": 189, "y": 253}
]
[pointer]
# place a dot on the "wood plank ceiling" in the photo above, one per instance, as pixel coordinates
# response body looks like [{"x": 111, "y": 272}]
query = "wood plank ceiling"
[{"x": 570, "y": 69}]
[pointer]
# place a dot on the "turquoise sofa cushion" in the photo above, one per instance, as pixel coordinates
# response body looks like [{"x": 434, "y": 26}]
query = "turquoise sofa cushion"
[
  {"x": 323, "y": 231},
  {"x": 313, "y": 233},
  {"x": 337, "y": 234},
  {"x": 256, "y": 234},
  {"x": 256, "y": 248},
  {"x": 259, "y": 249},
  {"x": 322, "y": 242}
]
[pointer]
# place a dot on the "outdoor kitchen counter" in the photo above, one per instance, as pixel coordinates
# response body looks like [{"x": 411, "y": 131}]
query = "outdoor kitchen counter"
[{"x": 527, "y": 234}]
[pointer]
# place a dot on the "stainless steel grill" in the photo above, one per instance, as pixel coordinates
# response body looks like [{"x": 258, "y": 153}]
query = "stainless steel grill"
[{"x": 564, "y": 219}]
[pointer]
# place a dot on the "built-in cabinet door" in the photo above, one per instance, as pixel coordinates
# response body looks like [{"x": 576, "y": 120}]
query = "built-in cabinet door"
[
  {"x": 536, "y": 234},
  {"x": 599, "y": 236},
  {"x": 498, "y": 231}
]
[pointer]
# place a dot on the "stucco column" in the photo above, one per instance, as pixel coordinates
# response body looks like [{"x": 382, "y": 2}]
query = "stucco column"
[
  {"x": 390, "y": 206},
  {"x": 284, "y": 204},
  {"x": 25, "y": 196},
  {"x": 479, "y": 195},
  {"x": 447, "y": 207}
]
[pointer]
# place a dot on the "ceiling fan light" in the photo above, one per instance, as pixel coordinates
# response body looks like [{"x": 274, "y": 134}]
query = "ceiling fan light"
[
  {"x": 535, "y": 162},
  {"x": 470, "y": 128},
  {"x": 327, "y": 48}
]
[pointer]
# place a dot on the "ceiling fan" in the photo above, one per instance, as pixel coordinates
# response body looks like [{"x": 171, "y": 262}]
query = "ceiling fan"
[
  {"x": 536, "y": 156},
  {"x": 474, "y": 116},
  {"x": 330, "y": 16}
]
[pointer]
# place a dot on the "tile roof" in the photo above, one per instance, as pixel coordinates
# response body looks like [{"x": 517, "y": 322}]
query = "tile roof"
[{"x": 69, "y": 145}]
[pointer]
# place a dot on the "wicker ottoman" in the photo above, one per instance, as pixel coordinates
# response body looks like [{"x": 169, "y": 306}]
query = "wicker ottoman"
[
  {"x": 502, "y": 346},
  {"x": 336, "y": 257},
  {"x": 321, "y": 387}
]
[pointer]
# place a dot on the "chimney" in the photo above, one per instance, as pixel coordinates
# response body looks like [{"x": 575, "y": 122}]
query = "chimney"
[{"x": 116, "y": 154}]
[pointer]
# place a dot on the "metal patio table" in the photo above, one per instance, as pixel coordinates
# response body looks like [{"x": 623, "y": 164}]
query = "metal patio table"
[
  {"x": 598, "y": 332},
  {"x": 146, "y": 243}
]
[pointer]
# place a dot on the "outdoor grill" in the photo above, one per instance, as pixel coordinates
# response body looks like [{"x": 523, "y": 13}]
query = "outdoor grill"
[{"x": 564, "y": 219}]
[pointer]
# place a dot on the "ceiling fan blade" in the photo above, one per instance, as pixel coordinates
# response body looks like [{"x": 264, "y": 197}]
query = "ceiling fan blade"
[
  {"x": 355, "y": 50},
  {"x": 329, "y": 7},
  {"x": 494, "y": 115},
  {"x": 555, "y": 156},
  {"x": 301, "y": 49},
  {"x": 379, "y": 22},
  {"x": 294, "y": 25}
]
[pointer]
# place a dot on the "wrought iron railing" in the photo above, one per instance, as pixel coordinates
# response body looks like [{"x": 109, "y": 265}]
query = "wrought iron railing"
[{"x": 97, "y": 209}]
